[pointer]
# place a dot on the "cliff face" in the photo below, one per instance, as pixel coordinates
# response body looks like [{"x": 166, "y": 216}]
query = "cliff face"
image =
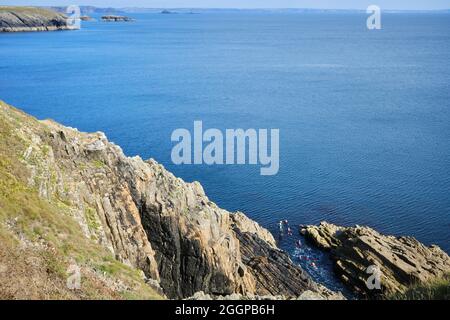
[
  {"x": 18, "y": 19},
  {"x": 402, "y": 261},
  {"x": 151, "y": 220}
]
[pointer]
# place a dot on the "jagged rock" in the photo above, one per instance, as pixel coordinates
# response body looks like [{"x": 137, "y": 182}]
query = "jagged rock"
[
  {"x": 97, "y": 145},
  {"x": 402, "y": 261},
  {"x": 154, "y": 221},
  {"x": 17, "y": 19}
]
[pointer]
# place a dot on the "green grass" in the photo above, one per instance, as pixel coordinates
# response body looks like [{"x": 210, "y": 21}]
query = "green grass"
[
  {"x": 92, "y": 222},
  {"x": 98, "y": 164},
  {"x": 437, "y": 289},
  {"x": 28, "y": 10}
]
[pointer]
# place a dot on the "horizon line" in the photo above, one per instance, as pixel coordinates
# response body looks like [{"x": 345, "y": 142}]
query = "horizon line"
[{"x": 222, "y": 8}]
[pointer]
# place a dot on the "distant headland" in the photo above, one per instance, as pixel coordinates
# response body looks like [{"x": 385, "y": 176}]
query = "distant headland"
[{"x": 19, "y": 19}]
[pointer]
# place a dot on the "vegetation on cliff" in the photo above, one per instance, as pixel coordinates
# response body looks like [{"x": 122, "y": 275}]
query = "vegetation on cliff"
[{"x": 436, "y": 289}]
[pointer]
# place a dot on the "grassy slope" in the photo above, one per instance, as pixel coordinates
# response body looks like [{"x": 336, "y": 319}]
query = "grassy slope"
[
  {"x": 39, "y": 240},
  {"x": 28, "y": 10},
  {"x": 438, "y": 289}
]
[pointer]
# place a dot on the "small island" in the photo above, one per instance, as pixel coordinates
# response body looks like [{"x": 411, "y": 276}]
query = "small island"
[
  {"x": 21, "y": 19},
  {"x": 114, "y": 18},
  {"x": 86, "y": 18},
  {"x": 167, "y": 12}
]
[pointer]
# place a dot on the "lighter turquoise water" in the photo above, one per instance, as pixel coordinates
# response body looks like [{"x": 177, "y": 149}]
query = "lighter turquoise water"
[{"x": 364, "y": 116}]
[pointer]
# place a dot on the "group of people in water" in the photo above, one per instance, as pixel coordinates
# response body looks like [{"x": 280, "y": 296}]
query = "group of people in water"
[
  {"x": 284, "y": 228},
  {"x": 284, "y": 225}
]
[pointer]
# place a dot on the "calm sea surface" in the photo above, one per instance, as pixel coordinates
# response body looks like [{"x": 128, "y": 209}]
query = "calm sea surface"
[{"x": 364, "y": 116}]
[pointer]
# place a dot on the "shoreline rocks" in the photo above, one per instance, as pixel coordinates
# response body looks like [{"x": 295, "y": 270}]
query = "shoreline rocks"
[{"x": 361, "y": 254}]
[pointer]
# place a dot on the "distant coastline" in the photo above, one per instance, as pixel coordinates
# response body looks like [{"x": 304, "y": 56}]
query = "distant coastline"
[{"x": 86, "y": 10}]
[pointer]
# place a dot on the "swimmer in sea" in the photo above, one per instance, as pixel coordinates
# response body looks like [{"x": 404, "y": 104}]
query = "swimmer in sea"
[{"x": 289, "y": 231}]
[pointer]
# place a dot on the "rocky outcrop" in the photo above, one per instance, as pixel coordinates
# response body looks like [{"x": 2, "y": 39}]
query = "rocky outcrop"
[
  {"x": 19, "y": 19},
  {"x": 152, "y": 220},
  {"x": 399, "y": 261},
  {"x": 113, "y": 18}
]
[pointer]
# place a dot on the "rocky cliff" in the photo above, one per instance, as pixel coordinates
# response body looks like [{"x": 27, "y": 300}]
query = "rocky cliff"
[
  {"x": 145, "y": 217},
  {"x": 18, "y": 19},
  {"x": 401, "y": 262}
]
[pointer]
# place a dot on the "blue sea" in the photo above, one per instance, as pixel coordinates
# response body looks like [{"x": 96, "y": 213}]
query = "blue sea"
[{"x": 364, "y": 116}]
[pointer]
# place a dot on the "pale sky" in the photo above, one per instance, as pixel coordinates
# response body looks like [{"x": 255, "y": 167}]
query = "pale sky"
[{"x": 320, "y": 4}]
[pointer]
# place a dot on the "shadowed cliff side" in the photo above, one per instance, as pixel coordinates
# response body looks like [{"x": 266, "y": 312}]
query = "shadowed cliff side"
[{"x": 147, "y": 218}]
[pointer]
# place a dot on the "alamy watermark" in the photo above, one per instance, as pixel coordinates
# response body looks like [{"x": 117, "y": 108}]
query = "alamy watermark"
[
  {"x": 73, "y": 13},
  {"x": 374, "y": 280},
  {"x": 235, "y": 146},
  {"x": 374, "y": 20}
]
